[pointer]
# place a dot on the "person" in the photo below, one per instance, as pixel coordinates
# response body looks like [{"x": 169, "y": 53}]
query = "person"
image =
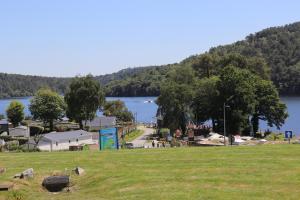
[
  {"x": 153, "y": 144},
  {"x": 157, "y": 144},
  {"x": 163, "y": 144}
]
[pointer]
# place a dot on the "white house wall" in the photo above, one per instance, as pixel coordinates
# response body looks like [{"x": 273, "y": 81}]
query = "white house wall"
[{"x": 46, "y": 146}]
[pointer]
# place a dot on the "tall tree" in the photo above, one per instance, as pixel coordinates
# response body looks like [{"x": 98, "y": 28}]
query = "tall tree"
[
  {"x": 84, "y": 97},
  {"x": 47, "y": 106},
  {"x": 269, "y": 107},
  {"x": 205, "y": 101},
  {"x": 15, "y": 112},
  {"x": 176, "y": 99}
]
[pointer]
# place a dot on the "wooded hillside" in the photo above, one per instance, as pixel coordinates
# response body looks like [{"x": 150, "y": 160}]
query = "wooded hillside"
[{"x": 279, "y": 46}]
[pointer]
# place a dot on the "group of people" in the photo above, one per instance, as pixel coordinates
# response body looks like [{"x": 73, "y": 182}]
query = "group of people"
[{"x": 157, "y": 144}]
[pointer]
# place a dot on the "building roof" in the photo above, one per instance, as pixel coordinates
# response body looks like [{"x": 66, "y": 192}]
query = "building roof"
[
  {"x": 3, "y": 121},
  {"x": 68, "y": 135},
  {"x": 102, "y": 122}
]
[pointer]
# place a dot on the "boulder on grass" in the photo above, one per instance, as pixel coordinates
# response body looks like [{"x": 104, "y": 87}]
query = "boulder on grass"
[
  {"x": 79, "y": 171},
  {"x": 56, "y": 183}
]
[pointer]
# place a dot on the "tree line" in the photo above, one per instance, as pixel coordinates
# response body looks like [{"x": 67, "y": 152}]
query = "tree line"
[
  {"x": 213, "y": 86},
  {"x": 279, "y": 47},
  {"x": 83, "y": 98}
]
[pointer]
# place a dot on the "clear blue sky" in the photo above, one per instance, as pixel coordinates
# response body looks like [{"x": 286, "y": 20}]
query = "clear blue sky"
[{"x": 71, "y": 37}]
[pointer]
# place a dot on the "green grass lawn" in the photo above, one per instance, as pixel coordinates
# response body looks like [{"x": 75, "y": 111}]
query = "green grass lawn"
[
  {"x": 253, "y": 172},
  {"x": 132, "y": 135}
]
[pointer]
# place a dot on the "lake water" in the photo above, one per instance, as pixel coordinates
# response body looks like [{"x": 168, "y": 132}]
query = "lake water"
[{"x": 146, "y": 111}]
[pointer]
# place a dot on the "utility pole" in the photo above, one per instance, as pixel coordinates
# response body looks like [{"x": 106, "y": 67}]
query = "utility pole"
[{"x": 224, "y": 112}]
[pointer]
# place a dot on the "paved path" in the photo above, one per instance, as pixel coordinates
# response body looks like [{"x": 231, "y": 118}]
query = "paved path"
[{"x": 141, "y": 141}]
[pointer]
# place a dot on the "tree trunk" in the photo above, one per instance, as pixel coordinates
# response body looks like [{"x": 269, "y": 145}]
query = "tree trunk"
[
  {"x": 213, "y": 124},
  {"x": 255, "y": 123},
  {"x": 51, "y": 124},
  {"x": 80, "y": 124}
]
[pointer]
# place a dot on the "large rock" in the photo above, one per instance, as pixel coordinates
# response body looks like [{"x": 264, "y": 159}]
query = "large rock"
[
  {"x": 56, "y": 183},
  {"x": 79, "y": 171}
]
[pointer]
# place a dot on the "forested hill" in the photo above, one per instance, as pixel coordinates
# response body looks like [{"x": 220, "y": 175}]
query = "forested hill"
[
  {"x": 279, "y": 46},
  {"x": 14, "y": 85}
]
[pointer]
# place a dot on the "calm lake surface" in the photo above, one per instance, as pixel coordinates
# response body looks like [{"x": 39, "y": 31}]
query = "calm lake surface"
[{"x": 146, "y": 111}]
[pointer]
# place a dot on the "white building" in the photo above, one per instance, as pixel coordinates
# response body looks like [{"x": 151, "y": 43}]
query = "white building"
[{"x": 56, "y": 141}]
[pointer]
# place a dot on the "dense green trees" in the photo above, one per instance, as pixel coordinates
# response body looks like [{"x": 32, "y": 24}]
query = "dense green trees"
[
  {"x": 47, "y": 106},
  {"x": 247, "y": 98},
  {"x": 119, "y": 110},
  {"x": 176, "y": 98},
  {"x": 84, "y": 97},
  {"x": 278, "y": 48},
  {"x": 15, "y": 112}
]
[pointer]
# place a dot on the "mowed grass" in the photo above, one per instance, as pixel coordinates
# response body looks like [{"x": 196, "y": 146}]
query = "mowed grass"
[
  {"x": 253, "y": 172},
  {"x": 133, "y": 135}
]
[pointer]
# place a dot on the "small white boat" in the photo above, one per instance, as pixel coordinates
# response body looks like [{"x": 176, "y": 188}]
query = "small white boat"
[{"x": 148, "y": 101}]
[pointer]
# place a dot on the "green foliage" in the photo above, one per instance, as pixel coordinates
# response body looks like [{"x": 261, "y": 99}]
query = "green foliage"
[
  {"x": 269, "y": 107},
  {"x": 47, "y": 106},
  {"x": 84, "y": 97},
  {"x": 16, "y": 195},
  {"x": 279, "y": 46},
  {"x": 271, "y": 53},
  {"x": 275, "y": 136},
  {"x": 164, "y": 132},
  {"x": 15, "y": 112},
  {"x": 245, "y": 94},
  {"x": 176, "y": 98},
  {"x": 205, "y": 101},
  {"x": 118, "y": 109},
  {"x": 133, "y": 135}
]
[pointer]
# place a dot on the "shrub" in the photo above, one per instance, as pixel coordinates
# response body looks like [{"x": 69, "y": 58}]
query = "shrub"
[{"x": 164, "y": 132}]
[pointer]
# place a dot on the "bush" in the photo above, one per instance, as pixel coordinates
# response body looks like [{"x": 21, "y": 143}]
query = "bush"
[
  {"x": 275, "y": 136},
  {"x": 86, "y": 147},
  {"x": 164, "y": 132},
  {"x": 12, "y": 145}
]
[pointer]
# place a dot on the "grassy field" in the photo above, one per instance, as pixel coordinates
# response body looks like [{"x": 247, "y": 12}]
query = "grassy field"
[{"x": 253, "y": 172}]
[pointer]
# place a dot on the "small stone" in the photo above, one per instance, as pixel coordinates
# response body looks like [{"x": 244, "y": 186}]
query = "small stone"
[
  {"x": 2, "y": 170},
  {"x": 17, "y": 175},
  {"x": 79, "y": 171},
  {"x": 28, "y": 173}
]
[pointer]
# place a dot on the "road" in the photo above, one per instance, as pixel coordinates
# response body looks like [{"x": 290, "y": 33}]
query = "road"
[{"x": 141, "y": 141}]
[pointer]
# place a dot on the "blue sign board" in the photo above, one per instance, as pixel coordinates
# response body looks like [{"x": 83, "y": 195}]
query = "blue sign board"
[
  {"x": 108, "y": 139},
  {"x": 288, "y": 134}
]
